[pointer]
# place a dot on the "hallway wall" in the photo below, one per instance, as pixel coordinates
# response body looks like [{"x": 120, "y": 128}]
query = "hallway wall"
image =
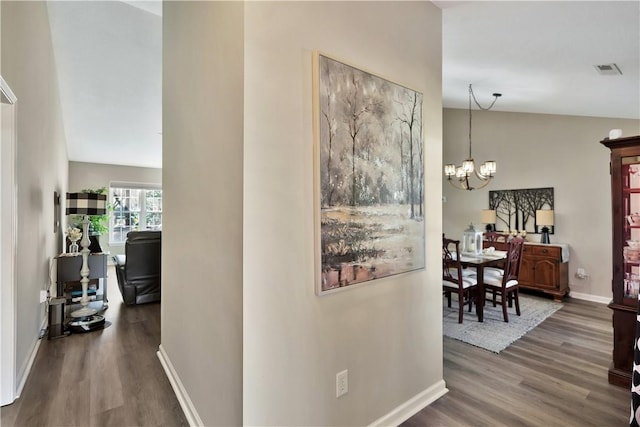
[
  {"x": 386, "y": 333},
  {"x": 29, "y": 69}
]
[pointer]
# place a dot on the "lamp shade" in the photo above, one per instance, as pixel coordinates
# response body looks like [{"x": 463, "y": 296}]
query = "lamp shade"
[
  {"x": 488, "y": 216},
  {"x": 86, "y": 204},
  {"x": 544, "y": 217}
]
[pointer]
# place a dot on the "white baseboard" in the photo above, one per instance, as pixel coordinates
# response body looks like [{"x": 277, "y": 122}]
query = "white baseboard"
[
  {"x": 589, "y": 297},
  {"x": 183, "y": 397},
  {"x": 32, "y": 357},
  {"x": 412, "y": 406}
]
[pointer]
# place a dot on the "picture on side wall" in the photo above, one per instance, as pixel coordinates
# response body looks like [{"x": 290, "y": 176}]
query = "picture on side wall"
[
  {"x": 369, "y": 173},
  {"x": 516, "y": 209}
]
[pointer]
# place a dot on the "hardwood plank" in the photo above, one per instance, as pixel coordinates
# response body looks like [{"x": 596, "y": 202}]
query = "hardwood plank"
[
  {"x": 106, "y": 389},
  {"x": 556, "y": 375},
  {"x": 112, "y": 417},
  {"x": 110, "y": 377}
]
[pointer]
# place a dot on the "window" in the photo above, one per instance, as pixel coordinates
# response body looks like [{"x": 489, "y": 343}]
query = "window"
[{"x": 133, "y": 209}]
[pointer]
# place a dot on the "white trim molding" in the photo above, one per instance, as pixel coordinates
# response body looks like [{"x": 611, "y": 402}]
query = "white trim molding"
[
  {"x": 31, "y": 359},
  {"x": 7, "y": 92},
  {"x": 412, "y": 406},
  {"x": 186, "y": 404},
  {"x": 8, "y": 240},
  {"x": 589, "y": 297}
]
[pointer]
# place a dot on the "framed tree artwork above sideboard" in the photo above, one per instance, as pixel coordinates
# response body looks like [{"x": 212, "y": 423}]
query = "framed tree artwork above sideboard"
[{"x": 516, "y": 209}]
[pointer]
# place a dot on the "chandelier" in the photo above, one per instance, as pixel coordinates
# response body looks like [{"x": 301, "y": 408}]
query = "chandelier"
[{"x": 461, "y": 176}]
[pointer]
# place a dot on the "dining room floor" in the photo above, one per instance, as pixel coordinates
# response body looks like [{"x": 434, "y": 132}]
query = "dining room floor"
[{"x": 556, "y": 375}]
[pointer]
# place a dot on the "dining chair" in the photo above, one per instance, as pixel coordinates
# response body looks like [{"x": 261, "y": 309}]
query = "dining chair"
[
  {"x": 497, "y": 240},
  {"x": 505, "y": 282},
  {"x": 495, "y": 236},
  {"x": 454, "y": 281}
]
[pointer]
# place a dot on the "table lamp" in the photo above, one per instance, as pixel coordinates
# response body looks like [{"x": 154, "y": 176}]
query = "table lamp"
[
  {"x": 544, "y": 218},
  {"x": 86, "y": 204},
  {"x": 488, "y": 217}
]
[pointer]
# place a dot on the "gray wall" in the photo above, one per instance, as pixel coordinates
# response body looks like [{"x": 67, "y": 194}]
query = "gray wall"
[
  {"x": 263, "y": 348},
  {"x": 386, "y": 333},
  {"x": 540, "y": 150},
  {"x": 28, "y": 67},
  {"x": 95, "y": 175},
  {"x": 202, "y": 212}
]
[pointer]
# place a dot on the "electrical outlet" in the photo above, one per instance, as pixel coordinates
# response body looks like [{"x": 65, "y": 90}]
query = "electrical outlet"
[
  {"x": 581, "y": 274},
  {"x": 43, "y": 296},
  {"x": 342, "y": 383}
]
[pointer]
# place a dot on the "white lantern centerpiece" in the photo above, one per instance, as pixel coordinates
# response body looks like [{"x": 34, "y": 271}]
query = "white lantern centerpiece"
[{"x": 472, "y": 240}]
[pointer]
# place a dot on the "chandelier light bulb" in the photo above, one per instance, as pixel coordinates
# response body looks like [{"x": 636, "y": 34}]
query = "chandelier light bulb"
[
  {"x": 491, "y": 166},
  {"x": 488, "y": 168},
  {"x": 468, "y": 166}
]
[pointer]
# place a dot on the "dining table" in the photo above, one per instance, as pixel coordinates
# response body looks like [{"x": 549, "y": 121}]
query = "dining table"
[{"x": 488, "y": 258}]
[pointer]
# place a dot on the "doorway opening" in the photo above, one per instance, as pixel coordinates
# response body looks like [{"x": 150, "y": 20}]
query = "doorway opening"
[{"x": 8, "y": 239}]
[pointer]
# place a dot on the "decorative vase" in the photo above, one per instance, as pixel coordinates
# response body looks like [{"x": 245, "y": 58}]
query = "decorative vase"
[{"x": 73, "y": 234}]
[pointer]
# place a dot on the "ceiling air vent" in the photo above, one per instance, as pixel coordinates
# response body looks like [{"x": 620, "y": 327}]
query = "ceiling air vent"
[{"x": 608, "y": 70}]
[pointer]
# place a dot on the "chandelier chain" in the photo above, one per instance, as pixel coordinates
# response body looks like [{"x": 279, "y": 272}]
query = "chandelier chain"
[
  {"x": 472, "y": 95},
  {"x": 459, "y": 176},
  {"x": 495, "y": 95}
]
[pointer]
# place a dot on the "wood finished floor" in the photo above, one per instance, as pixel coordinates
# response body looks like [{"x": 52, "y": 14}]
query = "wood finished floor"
[
  {"x": 110, "y": 377},
  {"x": 556, "y": 375}
]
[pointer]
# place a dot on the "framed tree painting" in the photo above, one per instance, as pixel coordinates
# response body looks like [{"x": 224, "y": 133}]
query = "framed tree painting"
[
  {"x": 516, "y": 209},
  {"x": 369, "y": 174}
]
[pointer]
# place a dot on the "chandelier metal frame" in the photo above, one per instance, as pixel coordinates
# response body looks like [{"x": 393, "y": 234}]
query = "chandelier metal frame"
[{"x": 460, "y": 176}]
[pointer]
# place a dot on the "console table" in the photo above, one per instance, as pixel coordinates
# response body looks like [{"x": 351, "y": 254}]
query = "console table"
[{"x": 68, "y": 275}]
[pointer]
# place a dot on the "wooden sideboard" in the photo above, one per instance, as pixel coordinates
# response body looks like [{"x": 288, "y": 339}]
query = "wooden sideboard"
[{"x": 543, "y": 268}]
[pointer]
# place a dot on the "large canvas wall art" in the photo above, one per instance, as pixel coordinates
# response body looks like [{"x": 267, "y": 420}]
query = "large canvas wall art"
[{"x": 369, "y": 170}]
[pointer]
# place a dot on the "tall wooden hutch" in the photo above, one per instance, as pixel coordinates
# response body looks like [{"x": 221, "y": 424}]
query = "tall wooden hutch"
[{"x": 625, "y": 201}]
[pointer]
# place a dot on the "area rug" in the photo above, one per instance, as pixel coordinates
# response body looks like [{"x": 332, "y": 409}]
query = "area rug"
[{"x": 494, "y": 334}]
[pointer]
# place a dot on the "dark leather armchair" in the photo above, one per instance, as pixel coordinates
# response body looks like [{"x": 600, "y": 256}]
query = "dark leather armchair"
[{"x": 138, "y": 271}]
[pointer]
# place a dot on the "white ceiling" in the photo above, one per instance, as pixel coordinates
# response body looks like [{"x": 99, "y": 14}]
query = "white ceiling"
[
  {"x": 539, "y": 55},
  {"x": 109, "y": 62}
]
